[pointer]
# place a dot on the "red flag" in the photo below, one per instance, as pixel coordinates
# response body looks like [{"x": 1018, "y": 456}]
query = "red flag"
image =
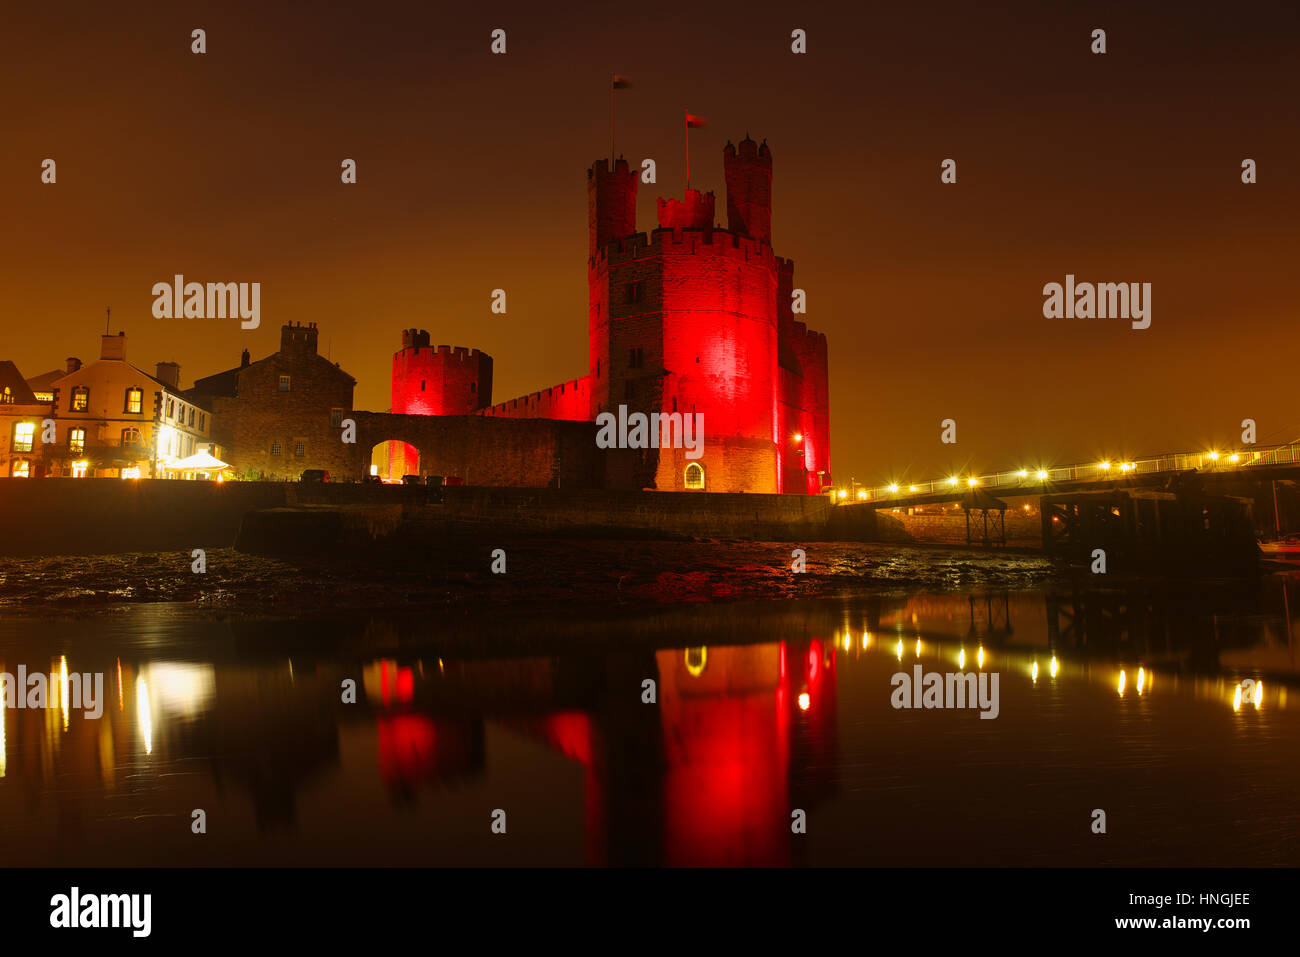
[
  {"x": 621, "y": 82},
  {"x": 694, "y": 121}
]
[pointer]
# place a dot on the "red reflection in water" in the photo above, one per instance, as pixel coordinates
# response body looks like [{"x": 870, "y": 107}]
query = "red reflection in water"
[
  {"x": 725, "y": 787},
  {"x": 406, "y": 748}
]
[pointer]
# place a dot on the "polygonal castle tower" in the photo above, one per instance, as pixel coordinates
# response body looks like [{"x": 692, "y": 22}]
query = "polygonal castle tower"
[
  {"x": 692, "y": 318},
  {"x": 435, "y": 381},
  {"x": 441, "y": 381}
]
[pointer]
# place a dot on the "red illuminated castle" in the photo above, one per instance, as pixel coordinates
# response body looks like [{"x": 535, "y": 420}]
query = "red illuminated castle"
[{"x": 692, "y": 318}]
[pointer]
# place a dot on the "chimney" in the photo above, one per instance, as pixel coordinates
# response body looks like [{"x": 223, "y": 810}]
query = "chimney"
[
  {"x": 113, "y": 347},
  {"x": 244, "y": 359},
  {"x": 170, "y": 373},
  {"x": 73, "y": 364},
  {"x": 295, "y": 338}
]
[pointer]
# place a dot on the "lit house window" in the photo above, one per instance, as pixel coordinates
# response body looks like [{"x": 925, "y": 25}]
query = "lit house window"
[
  {"x": 203, "y": 421},
  {"x": 6, "y": 397},
  {"x": 76, "y": 440},
  {"x": 171, "y": 408},
  {"x": 80, "y": 399},
  {"x": 131, "y": 438},
  {"x": 24, "y": 433},
  {"x": 134, "y": 401},
  {"x": 284, "y": 383},
  {"x": 191, "y": 417},
  {"x": 299, "y": 449},
  {"x": 695, "y": 475},
  {"x": 79, "y": 469},
  {"x": 22, "y": 469}
]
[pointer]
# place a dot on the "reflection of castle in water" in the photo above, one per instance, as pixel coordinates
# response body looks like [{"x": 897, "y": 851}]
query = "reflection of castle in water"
[{"x": 739, "y": 736}]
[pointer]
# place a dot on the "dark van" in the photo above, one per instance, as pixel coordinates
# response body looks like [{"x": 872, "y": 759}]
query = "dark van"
[{"x": 315, "y": 475}]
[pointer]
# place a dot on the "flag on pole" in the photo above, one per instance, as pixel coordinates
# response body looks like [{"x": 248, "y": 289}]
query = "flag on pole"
[
  {"x": 693, "y": 121},
  {"x": 621, "y": 82}
]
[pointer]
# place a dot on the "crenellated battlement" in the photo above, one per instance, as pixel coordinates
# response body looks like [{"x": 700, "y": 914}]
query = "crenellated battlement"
[
  {"x": 802, "y": 331},
  {"x": 569, "y": 400},
  {"x": 690, "y": 242},
  {"x": 416, "y": 343},
  {"x": 415, "y": 339},
  {"x": 461, "y": 353},
  {"x": 748, "y": 151}
]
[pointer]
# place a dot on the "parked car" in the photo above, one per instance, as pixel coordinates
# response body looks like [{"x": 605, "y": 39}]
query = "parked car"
[{"x": 315, "y": 475}]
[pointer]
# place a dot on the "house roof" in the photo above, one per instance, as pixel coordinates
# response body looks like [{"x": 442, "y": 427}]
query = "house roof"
[
  {"x": 219, "y": 383},
  {"x": 12, "y": 379},
  {"x": 44, "y": 381}
]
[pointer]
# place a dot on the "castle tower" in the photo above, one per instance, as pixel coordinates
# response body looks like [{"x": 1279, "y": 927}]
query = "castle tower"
[
  {"x": 429, "y": 381},
  {"x": 748, "y": 169},
  {"x": 441, "y": 381},
  {"x": 611, "y": 203},
  {"x": 611, "y": 207}
]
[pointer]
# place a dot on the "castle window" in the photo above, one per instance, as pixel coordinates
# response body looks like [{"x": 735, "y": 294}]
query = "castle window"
[
  {"x": 473, "y": 387},
  {"x": 695, "y": 475},
  {"x": 130, "y": 438},
  {"x": 80, "y": 399},
  {"x": 134, "y": 401},
  {"x": 635, "y": 291},
  {"x": 299, "y": 449},
  {"x": 635, "y": 358},
  {"x": 336, "y": 417},
  {"x": 24, "y": 436},
  {"x": 627, "y": 391},
  {"x": 76, "y": 440},
  {"x": 171, "y": 408},
  {"x": 422, "y": 381},
  {"x": 284, "y": 383},
  {"x": 275, "y": 446}
]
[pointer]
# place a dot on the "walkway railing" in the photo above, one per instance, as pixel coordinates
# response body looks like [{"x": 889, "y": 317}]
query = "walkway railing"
[{"x": 1032, "y": 480}]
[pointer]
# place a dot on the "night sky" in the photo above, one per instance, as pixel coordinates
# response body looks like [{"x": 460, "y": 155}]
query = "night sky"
[{"x": 1124, "y": 167}]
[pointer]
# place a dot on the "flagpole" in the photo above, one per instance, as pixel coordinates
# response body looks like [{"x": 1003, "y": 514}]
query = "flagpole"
[{"x": 688, "y": 148}]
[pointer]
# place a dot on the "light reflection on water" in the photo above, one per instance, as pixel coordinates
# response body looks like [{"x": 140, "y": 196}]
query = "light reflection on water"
[{"x": 1171, "y": 715}]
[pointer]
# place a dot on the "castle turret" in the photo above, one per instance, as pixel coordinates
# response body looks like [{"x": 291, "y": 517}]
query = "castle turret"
[
  {"x": 749, "y": 189},
  {"x": 441, "y": 381},
  {"x": 693, "y": 212},
  {"x": 611, "y": 203}
]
